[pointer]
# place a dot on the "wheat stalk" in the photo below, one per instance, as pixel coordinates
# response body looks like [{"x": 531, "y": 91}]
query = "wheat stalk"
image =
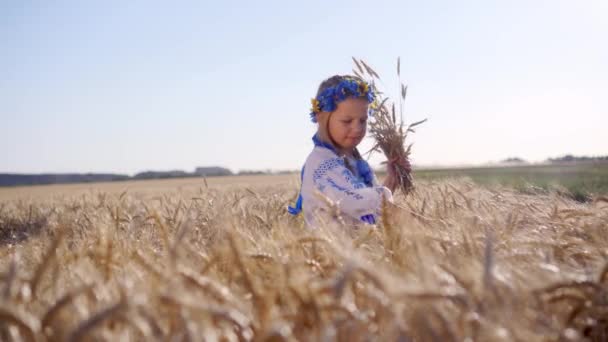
[{"x": 387, "y": 131}]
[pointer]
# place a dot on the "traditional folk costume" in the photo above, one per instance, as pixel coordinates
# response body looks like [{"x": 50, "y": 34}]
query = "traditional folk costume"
[{"x": 348, "y": 182}]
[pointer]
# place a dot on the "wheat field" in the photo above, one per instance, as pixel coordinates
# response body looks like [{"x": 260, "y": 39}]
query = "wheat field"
[{"x": 219, "y": 259}]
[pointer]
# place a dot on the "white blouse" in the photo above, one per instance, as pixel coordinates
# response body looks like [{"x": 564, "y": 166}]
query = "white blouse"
[{"x": 326, "y": 172}]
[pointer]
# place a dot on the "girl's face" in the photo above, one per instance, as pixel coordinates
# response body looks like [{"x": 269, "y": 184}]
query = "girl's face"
[{"x": 348, "y": 123}]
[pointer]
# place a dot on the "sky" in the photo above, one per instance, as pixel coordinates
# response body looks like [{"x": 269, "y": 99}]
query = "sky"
[{"x": 129, "y": 86}]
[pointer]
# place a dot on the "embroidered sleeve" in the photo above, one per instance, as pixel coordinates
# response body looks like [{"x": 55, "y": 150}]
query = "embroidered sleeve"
[{"x": 338, "y": 183}]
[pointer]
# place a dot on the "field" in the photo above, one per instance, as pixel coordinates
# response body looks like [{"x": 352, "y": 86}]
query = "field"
[
  {"x": 219, "y": 259},
  {"x": 580, "y": 181}
]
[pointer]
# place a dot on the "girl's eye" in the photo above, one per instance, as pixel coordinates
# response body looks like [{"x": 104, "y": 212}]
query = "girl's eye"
[
  {"x": 347, "y": 121},
  {"x": 363, "y": 121}
]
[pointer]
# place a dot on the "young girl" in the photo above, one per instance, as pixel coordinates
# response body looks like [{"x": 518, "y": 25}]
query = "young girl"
[{"x": 335, "y": 168}]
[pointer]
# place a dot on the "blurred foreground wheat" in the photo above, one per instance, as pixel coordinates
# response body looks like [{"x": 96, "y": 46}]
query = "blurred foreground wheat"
[{"x": 457, "y": 262}]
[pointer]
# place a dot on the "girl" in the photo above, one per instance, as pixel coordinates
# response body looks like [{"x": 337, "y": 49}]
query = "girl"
[{"x": 335, "y": 168}]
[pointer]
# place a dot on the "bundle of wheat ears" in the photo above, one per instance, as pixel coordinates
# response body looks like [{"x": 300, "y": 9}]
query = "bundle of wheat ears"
[{"x": 389, "y": 133}]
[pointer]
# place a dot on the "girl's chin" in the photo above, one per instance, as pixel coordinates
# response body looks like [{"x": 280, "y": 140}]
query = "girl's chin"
[
  {"x": 349, "y": 145},
  {"x": 353, "y": 142}
]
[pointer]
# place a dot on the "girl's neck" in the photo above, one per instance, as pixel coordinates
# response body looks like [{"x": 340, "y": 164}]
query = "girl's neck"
[
  {"x": 346, "y": 152},
  {"x": 339, "y": 150}
]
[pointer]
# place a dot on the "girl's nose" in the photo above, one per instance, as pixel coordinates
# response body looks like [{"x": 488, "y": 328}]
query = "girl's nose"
[{"x": 359, "y": 127}]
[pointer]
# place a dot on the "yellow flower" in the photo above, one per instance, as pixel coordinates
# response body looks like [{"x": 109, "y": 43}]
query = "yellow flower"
[
  {"x": 315, "y": 106},
  {"x": 364, "y": 87}
]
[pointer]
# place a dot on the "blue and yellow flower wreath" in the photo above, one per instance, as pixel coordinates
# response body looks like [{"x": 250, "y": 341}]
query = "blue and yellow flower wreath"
[{"x": 329, "y": 98}]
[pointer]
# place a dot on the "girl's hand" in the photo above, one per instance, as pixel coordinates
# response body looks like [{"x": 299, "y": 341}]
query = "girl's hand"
[
  {"x": 403, "y": 162},
  {"x": 392, "y": 179}
]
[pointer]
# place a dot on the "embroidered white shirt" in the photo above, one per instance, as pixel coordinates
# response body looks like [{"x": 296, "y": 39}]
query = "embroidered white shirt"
[{"x": 326, "y": 172}]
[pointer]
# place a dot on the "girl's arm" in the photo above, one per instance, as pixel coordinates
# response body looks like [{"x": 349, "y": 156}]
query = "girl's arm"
[{"x": 353, "y": 198}]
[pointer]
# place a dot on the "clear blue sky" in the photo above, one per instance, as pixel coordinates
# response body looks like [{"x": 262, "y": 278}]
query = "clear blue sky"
[{"x": 127, "y": 86}]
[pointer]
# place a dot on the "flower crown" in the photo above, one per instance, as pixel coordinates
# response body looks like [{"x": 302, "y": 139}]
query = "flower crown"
[{"x": 329, "y": 98}]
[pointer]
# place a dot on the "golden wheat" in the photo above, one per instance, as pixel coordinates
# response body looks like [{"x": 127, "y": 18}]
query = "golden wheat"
[{"x": 453, "y": 261}]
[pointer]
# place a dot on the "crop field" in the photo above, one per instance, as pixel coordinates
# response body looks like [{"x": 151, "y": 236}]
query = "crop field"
[
  {"x": 462, "y": 258},
  {"x": 580, "y": 181}
]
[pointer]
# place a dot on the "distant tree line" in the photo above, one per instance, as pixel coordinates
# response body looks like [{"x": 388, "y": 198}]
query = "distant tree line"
[
  {"x": 514, "y": 160},
  {"x": 10, "y": 179},
  {"x": 571, "y": 158},
  {"x": 568, "y": 158}
]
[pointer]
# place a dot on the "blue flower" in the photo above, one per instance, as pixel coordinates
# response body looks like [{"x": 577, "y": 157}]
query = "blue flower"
[{"x": 329, "y": 98}]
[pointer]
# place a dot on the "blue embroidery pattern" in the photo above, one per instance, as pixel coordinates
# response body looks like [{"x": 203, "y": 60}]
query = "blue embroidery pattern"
[
  {"x": 344, "y": 190},
  {"x": 356, "y": 183},
  {"x": 325, "y": 167},
  {"x": 365, "y": 179}
]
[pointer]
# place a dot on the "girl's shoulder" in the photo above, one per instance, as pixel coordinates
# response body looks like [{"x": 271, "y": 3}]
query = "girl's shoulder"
[
  {"x": 321, "y": 161},
  {"x": 319, "y": 155}
]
